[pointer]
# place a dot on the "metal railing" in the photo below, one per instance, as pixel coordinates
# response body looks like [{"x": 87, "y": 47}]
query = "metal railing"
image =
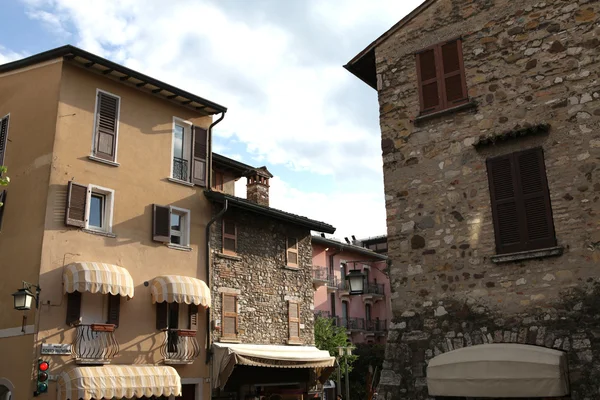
[
  {"x": 343, "y": 285},
  {"x": 376, "y": 325},
  {"x": 180, "y": 346},
  {"x": 322, "y": 314},
  {"x": 180, "y": 169},
  {"x": 332, "y": 281},
  {"x": 374, "y": 288},
  {"x": 352, "y": 324},
  {"x": 320, "y": 274},
  {"x": 95, "y": 344}
]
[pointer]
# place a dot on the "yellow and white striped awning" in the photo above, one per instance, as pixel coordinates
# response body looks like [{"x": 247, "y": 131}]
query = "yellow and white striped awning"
[
  {"x": 95, "y": 277},
  {"x": 118, "y": 381},
  {"x": 180, "y": 289}
]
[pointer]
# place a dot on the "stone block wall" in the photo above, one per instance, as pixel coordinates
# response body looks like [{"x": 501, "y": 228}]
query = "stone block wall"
[
  {"x": 258, "y": 274},
  {"x": 527, "y": 63}
]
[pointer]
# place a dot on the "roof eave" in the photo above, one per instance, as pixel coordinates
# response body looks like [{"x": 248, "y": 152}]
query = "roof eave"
[{"x": 349, "y": 248}]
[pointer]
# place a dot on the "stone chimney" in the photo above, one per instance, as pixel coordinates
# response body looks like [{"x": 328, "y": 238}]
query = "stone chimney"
[{"x": 257, "y": 188}]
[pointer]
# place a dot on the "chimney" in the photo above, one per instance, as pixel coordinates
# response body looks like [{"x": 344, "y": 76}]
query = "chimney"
[{"x": 257, "y": 187}]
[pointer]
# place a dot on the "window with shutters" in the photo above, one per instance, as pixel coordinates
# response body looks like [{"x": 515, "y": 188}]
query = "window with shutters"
[
  {"x": 89, "y": 207},
  {"x": 217, "y": 180},
  {"x": 441, "y": 77},
  {"x": 3, "y": 137},
  {"x": 229, "y": 237},
  {"x": 189, "y": 153},
  {"x": 292, "y": 252},
  {"x": 229, "y": 323},
  {"x": 93, "y": 308},
  {"x": 294, "y": 321},
  {"x": 106, "y": 126},
  {"x": 171, "y": 225},
  {"x": 174, "y": 318},
  {"x": 520, "y": 201}
]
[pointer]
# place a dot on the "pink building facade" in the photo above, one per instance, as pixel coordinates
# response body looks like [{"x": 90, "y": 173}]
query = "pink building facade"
[{"x": 365, "y": 317}]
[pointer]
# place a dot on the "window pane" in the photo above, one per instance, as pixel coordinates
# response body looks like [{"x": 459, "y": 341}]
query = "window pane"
[
  {"x": 175, "y": 222},
  {"x": 175, "y": 239},
  {"x": 292, "y": 243},
  {"x": 178, "y": 141},
  {"x": 229, "y": 244},
  {"x": 229, "y": 227},
  {"x": 427, "y": 60},
  {"x": 96, "y": 217},
  {"x": 292, "y": 257}
]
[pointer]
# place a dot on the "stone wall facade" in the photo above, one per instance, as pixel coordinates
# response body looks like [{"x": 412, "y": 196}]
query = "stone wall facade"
[
  {"x": 527, "y": 63},
  {"x": 258, "y": 274}
]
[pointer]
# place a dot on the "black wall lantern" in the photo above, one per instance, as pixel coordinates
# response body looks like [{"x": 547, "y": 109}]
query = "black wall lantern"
[
  {"x": 356, "y": 282},
  {"x": 24, "y": 297}
]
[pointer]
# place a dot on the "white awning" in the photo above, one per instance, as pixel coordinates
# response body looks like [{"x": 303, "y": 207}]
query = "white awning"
[
  {"x": 227, "y": 356},
  {"x": 180, "y": 289},
  {"x": 499, "y": 370},
  {"x": 96, "y": 277},
  {"x": 118, "y": 381}
]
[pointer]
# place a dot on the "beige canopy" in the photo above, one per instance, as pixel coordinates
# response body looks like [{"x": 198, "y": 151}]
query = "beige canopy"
[
  {"x": 227, "y": 356},
  {"x": 499, "y": 370},
  {"x": 97, "y": 277},
  {"x": 180, "y": 289},
  {"x": 118, "y": 381}
]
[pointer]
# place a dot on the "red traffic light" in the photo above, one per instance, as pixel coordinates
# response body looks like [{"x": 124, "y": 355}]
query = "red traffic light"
[{"x": 43, "y": 366}]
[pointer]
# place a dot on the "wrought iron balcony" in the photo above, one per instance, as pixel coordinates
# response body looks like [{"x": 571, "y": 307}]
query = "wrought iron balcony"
[
  {"x": 376, "y": 325},
  {"x": 374, "y": 288},
  {"x": 180, "y": 169},
  {"x": 332, "y": 281},
  {"x": 180, "y": 346},
  {"x": 356, "y": 324},
  {"x": 95, "y": 344}
]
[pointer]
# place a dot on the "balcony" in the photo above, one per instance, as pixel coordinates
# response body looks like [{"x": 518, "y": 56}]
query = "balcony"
[
  {"x": 373, "y": 291},
  {"x": 95, "y": 344},
  {"x": 351, "y": 324},
  {"x": 180, "y": 346},
  {"x": 180, "y": 169},
  {"x": 378, "y": 326},
  {"x": 331, "y": 283},
  {"x": 319, "y": 277},
  {"x": 343, "y": 288}
]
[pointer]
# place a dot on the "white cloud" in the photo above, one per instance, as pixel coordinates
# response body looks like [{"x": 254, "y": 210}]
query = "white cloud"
[
  {"x": 7, "y": 55},
  {"x": 282, "y": 103}
]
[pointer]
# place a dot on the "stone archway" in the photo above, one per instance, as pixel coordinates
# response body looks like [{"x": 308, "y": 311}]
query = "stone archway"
[{"x": 6, "y": 389}]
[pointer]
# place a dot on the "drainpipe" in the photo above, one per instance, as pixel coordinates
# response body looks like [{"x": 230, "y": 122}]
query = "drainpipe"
[{"x": 209, "y": 135}]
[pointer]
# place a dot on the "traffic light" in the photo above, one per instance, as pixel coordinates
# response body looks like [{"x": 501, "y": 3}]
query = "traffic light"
[{"x": 42, "y": 377}]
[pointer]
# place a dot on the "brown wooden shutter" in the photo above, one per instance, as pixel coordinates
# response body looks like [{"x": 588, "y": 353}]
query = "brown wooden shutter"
[
  {"x": 538, "y": 225},
  {"x": 161, "y": 223},
  {"x": 454, "y": 85},
  {"x": 193, "y": 314},
  {"x": 505, "y": 208},
  {"x": 199, "y": 167},
  {"x": 294, "y": 320},
  {"x": 73, "y": 308},
  {"x": 3, "y": 195},
  {"x": 429, "y": 81},
  {"x": 76, "y": 202},
  {"x": 229, "y": 237},
  {"x": 3, "y": 138},
  {"x": 107, "y": 113},
  {"x": 162, "y": 315},
  {"x": 114, "y": 307},
  {"x": 292, "y": 252},
  {"x": 230, "y": 316}
]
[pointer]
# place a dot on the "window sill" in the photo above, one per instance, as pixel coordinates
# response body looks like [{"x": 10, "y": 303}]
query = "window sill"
[
  {"x": 179, "y": 181},
  {"x": 103, "y": 161},
  {"x": 178, "y": 247},
  {"x": 99, "y": 233},
  {"x": 426, "y": 117},
  {"x": 228, "y": 256},
  {"x": 527, "y": 255},
  {"x": 291, "y": 268},
  {"x": 222, "y": 340}
]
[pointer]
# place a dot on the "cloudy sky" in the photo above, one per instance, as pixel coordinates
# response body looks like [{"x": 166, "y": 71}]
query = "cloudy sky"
[{"x": 276, "y": 65}]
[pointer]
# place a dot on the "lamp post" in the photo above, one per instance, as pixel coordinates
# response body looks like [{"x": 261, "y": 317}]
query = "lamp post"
[
  {"x": 345, "y": 352},
  {"x": 24, "y": 297}
]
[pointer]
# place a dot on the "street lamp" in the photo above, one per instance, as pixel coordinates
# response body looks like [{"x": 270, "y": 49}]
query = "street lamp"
[
  {"x": 345, "y": 352},
  {"x": 356, "y": 281},
  {"x": 24, "y": 297}
]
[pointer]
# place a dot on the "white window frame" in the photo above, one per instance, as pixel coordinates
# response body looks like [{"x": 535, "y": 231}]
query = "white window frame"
[
  {"x": 187, "y": 150},
  {"x": 94, "y": 130},
  {"x": 185, "y": 228},
  {"x": 109, "y": 203}
]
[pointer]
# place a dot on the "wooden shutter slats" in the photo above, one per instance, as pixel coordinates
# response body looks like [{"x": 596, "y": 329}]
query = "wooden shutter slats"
[
  {"x": 193, "y": 316},
  {"x": 162, "y": 312},
  {"x": 114, "y": 308},
  {"x": 292, "y": 252},
  {"x": 520, "y": 202},
  {"x": 76, "y": 203},
  {"x": 294, "y": 320},
  {"x": 73, "y": 308},
  {"x": 229, "y": 235},
  {"x": 161, "y": 223},
  {"x": 3, "y": 138},
  {"x": 229, "y": 315},
  {"x": 107, "y": 112},
  {"x": 200, "y": 156}
]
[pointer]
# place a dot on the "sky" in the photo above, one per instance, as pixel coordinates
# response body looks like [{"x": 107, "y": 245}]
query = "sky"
[{"x": 275, "y": 64}]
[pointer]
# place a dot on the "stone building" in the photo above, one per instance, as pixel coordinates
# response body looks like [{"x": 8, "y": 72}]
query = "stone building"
[
  {"x": 489, "y": 115},
  {"x": 261, "y": 282}
]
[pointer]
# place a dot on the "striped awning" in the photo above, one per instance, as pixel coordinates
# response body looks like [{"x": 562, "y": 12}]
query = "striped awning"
[
  {"x": 180, "y": 289},
  {"x": 95, "y": 277},
  {"x": 118, "y": 381}
]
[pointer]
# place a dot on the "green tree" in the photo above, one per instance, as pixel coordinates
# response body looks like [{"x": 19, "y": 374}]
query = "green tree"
[
  {"x": 329, "y": 337},
  {"x": 370, "y": 356},
  {"x": 4, "y": 180}
]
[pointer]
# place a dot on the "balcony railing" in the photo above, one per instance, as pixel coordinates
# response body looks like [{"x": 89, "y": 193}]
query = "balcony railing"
[
  {"x": 320, "y": 274},
  {"x": 180, "y": 346},
  {"x": 95, "y": 344},
  {"x": 352, "y": 324},
  {"x": 332, "y": 281},
  {"x": 376, "y": 325},
  {"x": 322, "y": 314},
  {"x": 374, "y": 288},
  {"x": 180, "y": 169}
]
